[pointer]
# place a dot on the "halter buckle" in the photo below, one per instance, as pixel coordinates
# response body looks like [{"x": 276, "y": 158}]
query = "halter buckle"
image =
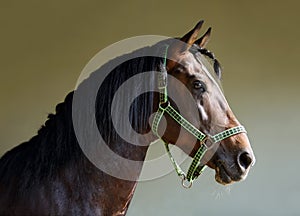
[{"x": 207, "y": 138}]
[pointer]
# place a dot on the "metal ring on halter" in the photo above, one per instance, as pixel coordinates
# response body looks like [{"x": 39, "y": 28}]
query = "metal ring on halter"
[
  {"x": 184, "y": 183},
  {"x": 164, "y": 105}
]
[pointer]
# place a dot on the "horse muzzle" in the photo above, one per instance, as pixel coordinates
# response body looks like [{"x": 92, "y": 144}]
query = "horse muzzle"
[
  {"x": 232, "y": 160},
  {"x": 227, "y": 174}
]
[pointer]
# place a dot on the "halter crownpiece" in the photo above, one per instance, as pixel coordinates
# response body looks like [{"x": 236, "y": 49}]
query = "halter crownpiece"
[{"x": 165, "y": 107}]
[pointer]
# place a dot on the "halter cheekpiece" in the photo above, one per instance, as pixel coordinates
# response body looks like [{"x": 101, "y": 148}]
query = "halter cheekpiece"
[{"x": 195, "y": 169}]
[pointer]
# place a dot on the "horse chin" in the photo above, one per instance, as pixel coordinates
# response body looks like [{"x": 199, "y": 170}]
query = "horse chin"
[{"x": 225, "y": 177}]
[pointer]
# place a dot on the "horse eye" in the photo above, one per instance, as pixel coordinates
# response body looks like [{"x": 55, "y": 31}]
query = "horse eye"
[{"x": 200, "y": 86}]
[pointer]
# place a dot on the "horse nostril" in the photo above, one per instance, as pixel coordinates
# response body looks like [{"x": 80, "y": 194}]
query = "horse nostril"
[{"x": 245, "y": 160}]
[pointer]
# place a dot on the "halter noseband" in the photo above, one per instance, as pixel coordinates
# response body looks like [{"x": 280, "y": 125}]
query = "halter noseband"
[{"x": 164, "y": 107}]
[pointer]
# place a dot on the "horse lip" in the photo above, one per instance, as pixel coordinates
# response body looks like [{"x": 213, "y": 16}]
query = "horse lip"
[{"x": 222, "y": 175}]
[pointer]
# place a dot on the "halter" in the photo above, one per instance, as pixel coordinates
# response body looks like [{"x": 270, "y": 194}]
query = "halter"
[{"x": 195, "y": 169}]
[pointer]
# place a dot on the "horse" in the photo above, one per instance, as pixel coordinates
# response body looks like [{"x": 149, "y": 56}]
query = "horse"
[{"x": 53, "y": 174}]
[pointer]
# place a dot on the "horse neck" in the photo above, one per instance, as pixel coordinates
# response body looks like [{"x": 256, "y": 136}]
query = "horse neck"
[
  {"x": 113, "y": 184},
  {"x": 112, "y": 194}
]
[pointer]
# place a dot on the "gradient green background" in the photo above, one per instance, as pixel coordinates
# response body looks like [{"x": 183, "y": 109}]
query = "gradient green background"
[{"x": 44, "y": 45}]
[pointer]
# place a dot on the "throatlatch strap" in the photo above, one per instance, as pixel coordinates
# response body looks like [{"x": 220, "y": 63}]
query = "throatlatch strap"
[{"x": 176, "y": 166}]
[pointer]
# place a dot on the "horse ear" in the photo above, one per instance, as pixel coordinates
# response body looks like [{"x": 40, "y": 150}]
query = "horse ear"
[
  {"x": 204, "y": 39},
  {"x": 192, "y": 35},
  {"x": 185, "y": 42}
]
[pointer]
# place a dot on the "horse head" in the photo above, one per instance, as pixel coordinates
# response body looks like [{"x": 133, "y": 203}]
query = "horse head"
[{"x": 188, "y": 62}]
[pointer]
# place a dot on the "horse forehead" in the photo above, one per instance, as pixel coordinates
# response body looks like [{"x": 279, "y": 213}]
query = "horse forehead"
[{"x": 192, "y": 66}]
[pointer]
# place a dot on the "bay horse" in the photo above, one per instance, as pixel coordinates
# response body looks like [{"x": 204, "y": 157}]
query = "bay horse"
[{"x": 51, "y": 174}]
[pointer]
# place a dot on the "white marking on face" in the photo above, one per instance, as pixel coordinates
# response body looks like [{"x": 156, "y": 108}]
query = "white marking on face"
[{"x": 202, "y": 112}]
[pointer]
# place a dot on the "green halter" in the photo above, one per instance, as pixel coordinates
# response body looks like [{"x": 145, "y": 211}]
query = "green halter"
[{"x": 164, "y": 107}]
